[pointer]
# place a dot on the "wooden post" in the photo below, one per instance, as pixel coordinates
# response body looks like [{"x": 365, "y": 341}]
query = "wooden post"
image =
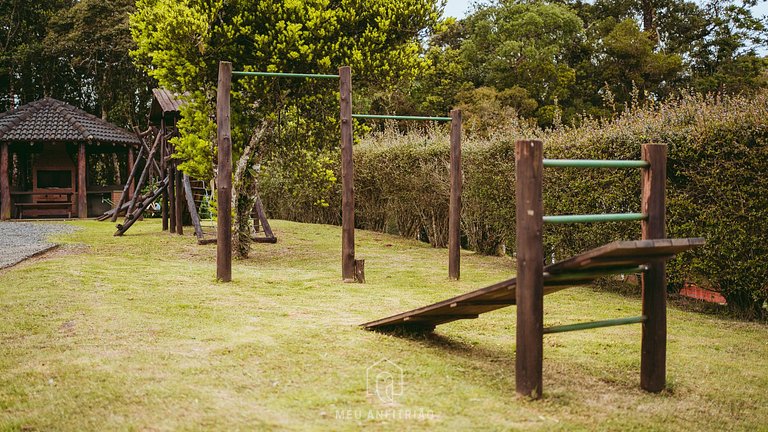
[
  {"x": 654, "y": 280},
  {"x": 131, "y": 162},
  {"x": 530, "y": 268},
  {"x": 179, "y": 203},
  {"x": 224, "y": 187},
  {"x": 5, "y": 187},
  {"x": 171, "y": 189},
  {"x": 454, "y": 212},
  {"x": 82, "y": 201},
  {"x": 163, "y": 167},
  {"x": 347, "y": 177}
]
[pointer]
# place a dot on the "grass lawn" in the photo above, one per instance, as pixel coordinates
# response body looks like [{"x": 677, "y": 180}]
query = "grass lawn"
[{"x": 134, "y": 333}]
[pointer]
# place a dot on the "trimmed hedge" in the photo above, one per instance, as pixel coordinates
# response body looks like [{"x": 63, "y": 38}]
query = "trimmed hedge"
[{"x": 717, "y": 188}]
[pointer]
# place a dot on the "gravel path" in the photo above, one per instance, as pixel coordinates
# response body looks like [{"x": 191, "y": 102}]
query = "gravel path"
[{"x": 22, "y": 240}]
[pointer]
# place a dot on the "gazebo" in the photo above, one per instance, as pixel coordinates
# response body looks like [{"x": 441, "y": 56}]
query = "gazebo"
[{"x": 57, "y": 160}]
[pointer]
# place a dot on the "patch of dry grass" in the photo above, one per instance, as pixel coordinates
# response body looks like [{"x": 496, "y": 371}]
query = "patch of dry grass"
[{"x": 135, "y": 333}]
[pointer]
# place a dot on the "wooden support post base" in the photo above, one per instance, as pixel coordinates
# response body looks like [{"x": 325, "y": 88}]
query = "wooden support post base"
[{"x": 359, "y": 273}]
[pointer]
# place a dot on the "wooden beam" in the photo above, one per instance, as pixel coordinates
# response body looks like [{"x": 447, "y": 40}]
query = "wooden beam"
[
  {"x": 131, "y": 163},
  {"x": 140, "y": 208},
  {"x": 179, "y": 204},
  {"x": 347, "y": 177},
  {"x": 192, "y": 209},
  {"x": 454, "y": 211},
  {"x": 82, "y": 201},
  {"x": 262, "y": 216},
  {"x": 171, "y": 190},
  {"x": 530, "y": 268},
  {"x": 224, "y": 176},
  {"x": 654, "y": 281},
  {"x": 164, "y": 168},
  {"x": 128, "y": 187},
  {"x": 5, "y": 187},
  {"x": 144, "y": 174}
]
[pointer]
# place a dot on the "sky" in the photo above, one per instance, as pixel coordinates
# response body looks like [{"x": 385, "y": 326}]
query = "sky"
[{"x": 459, "y": 8}]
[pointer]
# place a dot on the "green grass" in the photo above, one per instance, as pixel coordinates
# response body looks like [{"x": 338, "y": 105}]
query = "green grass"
[{"x": 134, "y": 333}]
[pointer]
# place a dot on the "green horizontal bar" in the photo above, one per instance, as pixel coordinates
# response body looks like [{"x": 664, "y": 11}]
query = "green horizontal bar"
[
  {"x": 594, "y": 324},
  {"x": 284, "y": 74},
  {"x": 397, "y": 117},
  {"x": 590, "y": 163},
  {"x": 591, "y": 274},
  {"x": 562, "y": 219}
]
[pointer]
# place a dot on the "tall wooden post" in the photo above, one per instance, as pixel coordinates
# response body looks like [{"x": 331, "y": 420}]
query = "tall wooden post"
[
  {"x": 131, "y": 162},
  {"x": 163, "y": 167},
  {"x": 347, "y": 177},
  {"x": 5, "y": 187},
  {"x": 224, "y": 176},
  {"x": 653, "y": 359},
  {"x": 179, "y": 203},
  {"x": 171, "y": 188},
  {"x": 530, "y": 267},
  {"x": 82, "y": 200},
  {"x": 454, "y": 211}
]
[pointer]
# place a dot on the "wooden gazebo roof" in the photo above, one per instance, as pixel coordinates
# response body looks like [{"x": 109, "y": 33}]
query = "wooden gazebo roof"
[{"x": 51, "y": 120}]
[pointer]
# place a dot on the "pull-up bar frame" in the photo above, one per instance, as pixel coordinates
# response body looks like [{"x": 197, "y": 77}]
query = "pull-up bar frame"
[
  {"x": 351, "y": 269},
  {"x": 285, "y": 75},
  {"x": 530, "y": 219}
]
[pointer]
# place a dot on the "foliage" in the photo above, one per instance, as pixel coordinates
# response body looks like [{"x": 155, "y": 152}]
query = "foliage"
[
  {"x": 718, "y": 152},
  {"x": 181, "y": 42},
  {"x": 76, "y": 51},
  {"x": 563, "y": 59}
]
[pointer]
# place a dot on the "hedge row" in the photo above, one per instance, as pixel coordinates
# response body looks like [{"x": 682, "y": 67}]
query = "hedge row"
[{"x": 717, "y": 188}]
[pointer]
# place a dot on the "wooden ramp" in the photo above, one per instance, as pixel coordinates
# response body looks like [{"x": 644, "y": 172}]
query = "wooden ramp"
[{"x": 612, "y": 258}]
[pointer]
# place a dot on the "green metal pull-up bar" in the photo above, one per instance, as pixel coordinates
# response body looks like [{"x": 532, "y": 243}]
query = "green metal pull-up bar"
[
  {"x": 399, "y": 117},
  {"x": 594, "y": 324},
  {"x": 613, "y": 217},
  {"x": 590, "y": 163},
  {"x": 285, "y": 75}
]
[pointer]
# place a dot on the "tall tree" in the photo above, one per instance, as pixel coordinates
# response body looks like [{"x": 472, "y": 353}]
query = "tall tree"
[{"x": 94, "y": 38}]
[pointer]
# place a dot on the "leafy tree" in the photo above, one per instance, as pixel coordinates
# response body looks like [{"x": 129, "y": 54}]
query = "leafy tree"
[
  {"x": 76, "y": 51},
  {"x": 94, "y": 38},
  {"x": 180, "y": 43}
]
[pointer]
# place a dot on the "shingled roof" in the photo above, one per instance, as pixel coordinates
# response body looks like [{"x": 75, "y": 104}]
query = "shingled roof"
[
  {"x": 49, "y": 120},
  {"x": 164, "y": 103}
]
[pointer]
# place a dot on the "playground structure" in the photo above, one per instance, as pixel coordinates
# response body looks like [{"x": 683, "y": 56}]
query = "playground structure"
[
  {"x": 352, "y": 269},
  {"x": 533, "y": 281},
  {"x": 179, "y": 195}
]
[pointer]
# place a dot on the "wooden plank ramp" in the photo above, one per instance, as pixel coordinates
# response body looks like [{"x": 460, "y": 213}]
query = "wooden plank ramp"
[{"x": 612, "y": 258}]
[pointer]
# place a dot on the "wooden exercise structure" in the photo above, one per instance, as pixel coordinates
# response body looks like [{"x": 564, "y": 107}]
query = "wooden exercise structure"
[
  {"x": 352, "y": 269},
  {"x": 534, "y": 280}
]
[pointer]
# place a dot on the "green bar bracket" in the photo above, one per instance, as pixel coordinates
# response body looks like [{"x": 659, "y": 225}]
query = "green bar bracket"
[
  {"x": 594, "y": 324},
  {"x": 285, "y": 75},
  {"x": 399, "y": 117},
  {"x": 614, "y": 217},
  {"x": 590, "y": 163}
]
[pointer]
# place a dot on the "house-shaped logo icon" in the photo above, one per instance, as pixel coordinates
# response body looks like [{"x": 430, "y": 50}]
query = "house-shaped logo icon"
[{"x": 384, "y": 379}]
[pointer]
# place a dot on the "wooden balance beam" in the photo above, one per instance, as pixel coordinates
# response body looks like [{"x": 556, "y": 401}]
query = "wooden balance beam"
[{"x": 613, "y": 258}]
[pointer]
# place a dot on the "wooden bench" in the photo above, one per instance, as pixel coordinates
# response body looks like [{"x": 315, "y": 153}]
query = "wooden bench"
[{"x": 66, "y": 207}]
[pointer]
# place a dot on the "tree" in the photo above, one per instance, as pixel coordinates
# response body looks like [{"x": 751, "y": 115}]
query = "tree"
[
  {"x": 77, "y": 51},
  {"x": 180, "y": 43},
  {"x": 94, "y": 38}
]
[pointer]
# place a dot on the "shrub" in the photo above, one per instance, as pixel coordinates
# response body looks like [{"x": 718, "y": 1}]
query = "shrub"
[{"x": 717, "y": 187}]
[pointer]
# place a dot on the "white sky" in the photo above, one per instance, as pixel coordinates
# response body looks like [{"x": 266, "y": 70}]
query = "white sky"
[{"x": 459, "y": 8}]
